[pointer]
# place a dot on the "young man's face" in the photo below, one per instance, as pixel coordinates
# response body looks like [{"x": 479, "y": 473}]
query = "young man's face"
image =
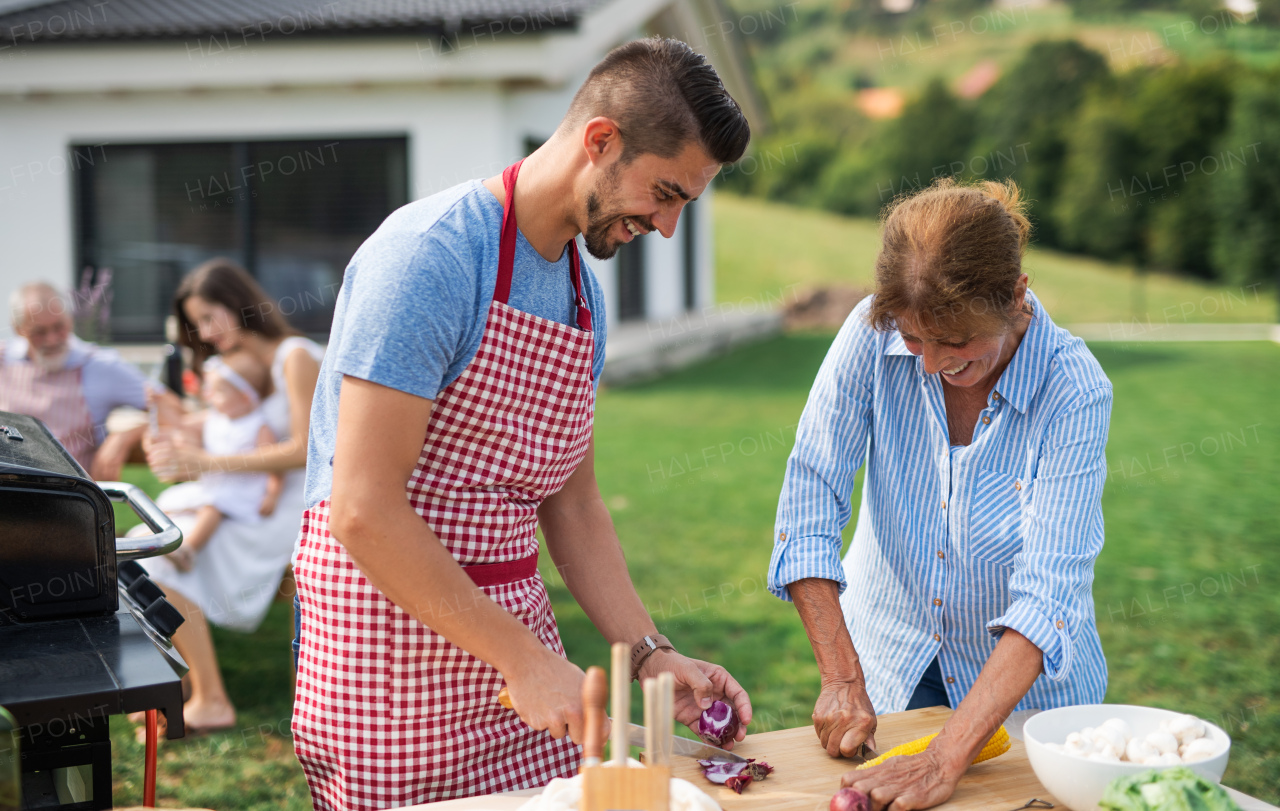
[{"x": 647, "y": 194}]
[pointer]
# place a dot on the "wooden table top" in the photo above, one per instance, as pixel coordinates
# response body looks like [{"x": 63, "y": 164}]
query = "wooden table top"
[{"x": 806, "y": 777}]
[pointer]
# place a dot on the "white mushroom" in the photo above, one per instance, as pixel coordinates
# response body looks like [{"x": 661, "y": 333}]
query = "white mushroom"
[
  {"x": 1078, "y": 748},
  {"x": 1110, "y": 736},
  {"x": 1138, "y": 750},
  {"x": 1186, "y": 728},
  {"x": 1163, "y": 741},
  {"x": 1106, "y": 754},
  {"x": 1119, "y": 725},
  {"x": 1199, "y": 749},
  {"x": 1166, "y": 759},
  {"x": 1075, "y": 738}
]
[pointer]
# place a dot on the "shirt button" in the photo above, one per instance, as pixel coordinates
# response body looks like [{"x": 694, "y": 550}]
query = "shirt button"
[
  {"x": 937, "y": 601},
  {"x": 942, "y": 554},
  {"x": 986, "y": 420},
  {"x": 951, "y": 679},
  {"x": 782, "y": 536},
  {"x": 1061, "y": 624},
  {"x": 995, "y": 395},
  {"x": 937, "y": 637},
  {"x": 944, "y": 505},
  {"x": 1017, "y": 485}
]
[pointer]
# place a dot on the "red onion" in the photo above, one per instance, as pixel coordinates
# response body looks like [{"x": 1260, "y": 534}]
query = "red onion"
[
  {"x": 736, "y": 776},
  {"x": 718, "y": 724},
  {"x": 847, "y": 799}
]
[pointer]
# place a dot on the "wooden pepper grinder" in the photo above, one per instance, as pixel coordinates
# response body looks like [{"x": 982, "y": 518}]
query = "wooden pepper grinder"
[{"x": 615, "y": 787}]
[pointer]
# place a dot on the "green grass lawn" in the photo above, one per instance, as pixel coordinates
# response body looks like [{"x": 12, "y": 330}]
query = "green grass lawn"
[
  {"x": 766, "y": 252},
  {"x": 691, "y": 467}
]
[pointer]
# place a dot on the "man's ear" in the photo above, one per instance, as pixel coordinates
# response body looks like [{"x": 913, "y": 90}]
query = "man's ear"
[{"x": 602, "y": 140}]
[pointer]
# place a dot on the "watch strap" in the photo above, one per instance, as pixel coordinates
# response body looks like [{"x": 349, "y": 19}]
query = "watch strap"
[{"x": 643, "y": 649}]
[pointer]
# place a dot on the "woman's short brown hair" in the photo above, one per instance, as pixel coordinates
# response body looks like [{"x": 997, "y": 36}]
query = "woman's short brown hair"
[
  {"x": 223, "y": 281},
  {"x": 951, "y": 256}
]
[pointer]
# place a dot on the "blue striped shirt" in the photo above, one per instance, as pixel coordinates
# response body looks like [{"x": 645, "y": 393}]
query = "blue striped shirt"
[{"x": 952, "y": 546}]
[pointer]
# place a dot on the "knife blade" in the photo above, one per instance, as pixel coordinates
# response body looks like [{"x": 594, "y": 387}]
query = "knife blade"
[
  {"x": 864, "y": 754},
  {"x": 686, "y": 747},
  {"x": 680, "y": 746}
]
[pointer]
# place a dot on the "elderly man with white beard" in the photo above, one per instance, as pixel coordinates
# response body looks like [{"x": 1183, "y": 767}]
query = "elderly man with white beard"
[{"x": 48, "y": 373}]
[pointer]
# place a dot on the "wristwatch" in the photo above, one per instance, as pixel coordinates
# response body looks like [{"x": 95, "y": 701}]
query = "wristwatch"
[{"x": 643, "y": 649}]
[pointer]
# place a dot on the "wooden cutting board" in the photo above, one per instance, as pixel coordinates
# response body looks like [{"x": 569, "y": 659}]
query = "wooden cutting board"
[{"x": 806, "y": 776}]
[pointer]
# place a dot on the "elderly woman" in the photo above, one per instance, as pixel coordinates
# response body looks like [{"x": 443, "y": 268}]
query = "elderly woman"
[{"x": 983, "y": 427}]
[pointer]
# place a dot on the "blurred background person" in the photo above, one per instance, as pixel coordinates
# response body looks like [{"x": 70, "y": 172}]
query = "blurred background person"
[
  {"x": 233, "y": 423},
  {"x": 48, "y": 373},
  {"x": 231, "y": 583}
]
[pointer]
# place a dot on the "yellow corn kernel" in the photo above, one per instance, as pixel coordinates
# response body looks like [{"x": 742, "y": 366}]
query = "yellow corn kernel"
[{"x": 998, "y": 745}]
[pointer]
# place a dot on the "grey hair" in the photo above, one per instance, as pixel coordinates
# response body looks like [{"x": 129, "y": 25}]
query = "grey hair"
[{"x": 48, "y": 294}]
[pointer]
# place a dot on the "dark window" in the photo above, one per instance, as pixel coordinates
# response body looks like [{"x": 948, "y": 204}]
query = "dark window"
[
  {"x": 631, "y": 280},
  {"x": 689, "y": 222},
  {"x": 293, "y": 212}
]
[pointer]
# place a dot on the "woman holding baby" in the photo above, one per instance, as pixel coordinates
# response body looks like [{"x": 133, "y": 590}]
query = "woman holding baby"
[{"x": 242, "y": 463}]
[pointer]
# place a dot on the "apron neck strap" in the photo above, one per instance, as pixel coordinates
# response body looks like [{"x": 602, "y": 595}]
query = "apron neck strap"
[{"x": 507, "y": 252}]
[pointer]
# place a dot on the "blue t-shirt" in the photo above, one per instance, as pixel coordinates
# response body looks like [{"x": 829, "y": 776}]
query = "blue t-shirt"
[{"x": 414, "y": 301}]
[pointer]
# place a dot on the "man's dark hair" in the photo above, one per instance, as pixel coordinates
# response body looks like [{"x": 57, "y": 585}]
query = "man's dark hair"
[{"x": 662, "y": 94}]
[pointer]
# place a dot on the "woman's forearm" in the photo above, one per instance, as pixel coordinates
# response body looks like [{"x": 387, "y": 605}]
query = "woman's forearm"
[
  {"x": 818, "y": 604},
  {"x": 277, "y": 457},
  {"x": 1013, "y": 667}
]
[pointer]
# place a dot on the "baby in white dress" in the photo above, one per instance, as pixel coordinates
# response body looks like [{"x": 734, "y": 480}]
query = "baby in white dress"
[{"x": 233, "y": 388}]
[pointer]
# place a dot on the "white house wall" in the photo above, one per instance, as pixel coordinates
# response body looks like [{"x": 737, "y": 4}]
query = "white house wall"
[{"x": 36, "y": 188}]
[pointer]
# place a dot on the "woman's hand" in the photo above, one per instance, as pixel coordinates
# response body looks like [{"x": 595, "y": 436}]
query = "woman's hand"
[
  {"x": 909, "y": 782},
  {"x": 844, "y": 718},
  {"x": 698, "y": 684},
  {"x": 173, "y": 458},
  {"x": 167, "y": 405}
]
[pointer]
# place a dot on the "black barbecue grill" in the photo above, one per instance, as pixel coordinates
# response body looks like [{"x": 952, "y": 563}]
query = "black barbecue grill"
[{"x": 84, "y": 633}]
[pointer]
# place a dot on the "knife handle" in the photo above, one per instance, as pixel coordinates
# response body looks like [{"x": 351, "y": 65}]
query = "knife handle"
[
  {"x": 595, "y": 692},
  {"x": 504, "y": 698}
]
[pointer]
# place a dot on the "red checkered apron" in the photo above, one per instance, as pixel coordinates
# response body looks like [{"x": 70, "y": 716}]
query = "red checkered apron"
[{"x": 389, "y": 713}]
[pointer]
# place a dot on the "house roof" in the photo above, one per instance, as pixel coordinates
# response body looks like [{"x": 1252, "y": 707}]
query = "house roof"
[{"x": 30, "y": 21}]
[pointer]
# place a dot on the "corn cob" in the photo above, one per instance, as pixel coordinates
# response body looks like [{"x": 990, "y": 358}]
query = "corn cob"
[{"x": 998, "y": 745}]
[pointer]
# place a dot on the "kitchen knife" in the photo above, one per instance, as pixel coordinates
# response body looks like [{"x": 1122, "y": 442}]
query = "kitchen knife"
[
  {"x": 686, "y": 747},
  {"x": 679, "y": 746}
]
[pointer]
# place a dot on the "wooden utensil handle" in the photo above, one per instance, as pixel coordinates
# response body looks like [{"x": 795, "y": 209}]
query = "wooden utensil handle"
[
  {"x": 595, "y": 692},
  {"x": 504, "y": 698}
]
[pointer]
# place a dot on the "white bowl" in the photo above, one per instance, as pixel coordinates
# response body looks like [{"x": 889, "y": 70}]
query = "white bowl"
[{"x": 1080, "y": 783}]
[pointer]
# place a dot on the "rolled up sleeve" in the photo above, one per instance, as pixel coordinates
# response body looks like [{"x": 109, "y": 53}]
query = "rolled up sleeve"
[
  {"x": 1051, "y": 587},
  {"x": 831, "y": 444}
]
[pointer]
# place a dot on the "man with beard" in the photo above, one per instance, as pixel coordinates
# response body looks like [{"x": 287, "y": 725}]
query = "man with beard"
[
  {"x": 48, "y": 373},
  {"x": 452, "y": 418}
]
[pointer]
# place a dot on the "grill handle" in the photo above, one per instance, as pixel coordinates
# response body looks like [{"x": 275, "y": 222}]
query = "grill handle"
[{"x": 167, "y": 536}]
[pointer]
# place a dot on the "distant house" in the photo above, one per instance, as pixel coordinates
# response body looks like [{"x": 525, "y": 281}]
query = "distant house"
[{"x": 148, "y": 135}]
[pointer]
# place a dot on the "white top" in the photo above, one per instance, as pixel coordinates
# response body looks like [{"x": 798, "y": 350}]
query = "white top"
[
  {"x": 276, "y": 407},
  {"x": 236, "y": 495}
]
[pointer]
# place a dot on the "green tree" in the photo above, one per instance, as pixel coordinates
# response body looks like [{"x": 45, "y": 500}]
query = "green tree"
[
  {"x": 1246, "y": 244},
  {"x": 1032, "y": 111}
]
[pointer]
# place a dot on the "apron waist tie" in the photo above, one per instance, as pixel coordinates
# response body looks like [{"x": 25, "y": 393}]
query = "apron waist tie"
[{"x": 507, "y": 571}]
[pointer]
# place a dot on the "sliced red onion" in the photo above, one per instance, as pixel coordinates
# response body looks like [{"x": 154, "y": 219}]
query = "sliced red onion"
[
  {"x": 736, "y": 776},
  {"x": 847, "y": 799},
  {"x": 718, "y": 724}
]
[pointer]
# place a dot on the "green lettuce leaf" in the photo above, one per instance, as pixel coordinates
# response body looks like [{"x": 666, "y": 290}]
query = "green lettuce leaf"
[{"x": 1176, "y": 789}]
